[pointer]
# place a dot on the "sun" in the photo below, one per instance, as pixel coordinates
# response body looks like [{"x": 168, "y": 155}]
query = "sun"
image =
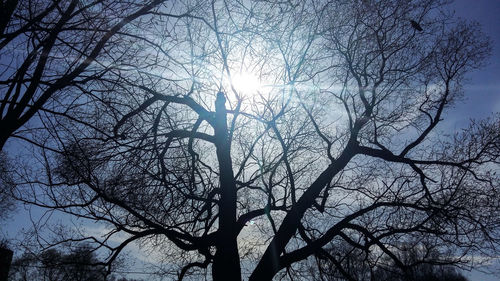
[{"x": 246, "y": 83}]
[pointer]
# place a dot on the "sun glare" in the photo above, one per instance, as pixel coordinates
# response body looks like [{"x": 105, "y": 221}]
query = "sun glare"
[{"x": 246, "y": 83}]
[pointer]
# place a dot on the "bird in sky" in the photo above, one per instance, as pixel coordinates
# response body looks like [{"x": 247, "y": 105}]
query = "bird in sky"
[{"x": 416, "y": 25}]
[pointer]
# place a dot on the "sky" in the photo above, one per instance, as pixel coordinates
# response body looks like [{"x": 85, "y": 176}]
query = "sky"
[
  {"x": 481, "y": 96},
  {"x": 482, "y": 91}
]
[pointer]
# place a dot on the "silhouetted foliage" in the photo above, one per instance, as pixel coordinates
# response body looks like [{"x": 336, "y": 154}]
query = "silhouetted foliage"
[
  {"x": 5, "y": 260},
  {"x": 339, "y": 145},
  {"x": 81, "y": 264},
  {"x": 419, "y": 262}
]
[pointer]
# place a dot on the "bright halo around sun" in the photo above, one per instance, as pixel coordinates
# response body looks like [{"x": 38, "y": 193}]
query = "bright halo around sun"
[{"x": 246, "y": 83}]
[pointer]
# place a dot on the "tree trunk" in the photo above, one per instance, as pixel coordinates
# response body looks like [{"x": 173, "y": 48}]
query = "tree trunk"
[
  {"x": 226, "y": 264},
  {"x": 6, "y": 11},
  {"x": 269, "y": 264},
  {"x": 7, "y": 128}
]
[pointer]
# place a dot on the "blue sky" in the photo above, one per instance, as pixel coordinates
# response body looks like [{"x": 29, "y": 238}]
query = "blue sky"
[
  {"x": 482, "y": 92},
  {"x": 482, "y": 97}
]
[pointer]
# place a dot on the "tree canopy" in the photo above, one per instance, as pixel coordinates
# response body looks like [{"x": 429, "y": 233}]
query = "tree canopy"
[
  {"x": 49, "y": 48},
  {"x": 240, "y": 139}
]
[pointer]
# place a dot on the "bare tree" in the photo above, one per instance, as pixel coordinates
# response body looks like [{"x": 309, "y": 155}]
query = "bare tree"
[
  {"x": 48, "y": 49},
  {"x": 249, "y": 136}
]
